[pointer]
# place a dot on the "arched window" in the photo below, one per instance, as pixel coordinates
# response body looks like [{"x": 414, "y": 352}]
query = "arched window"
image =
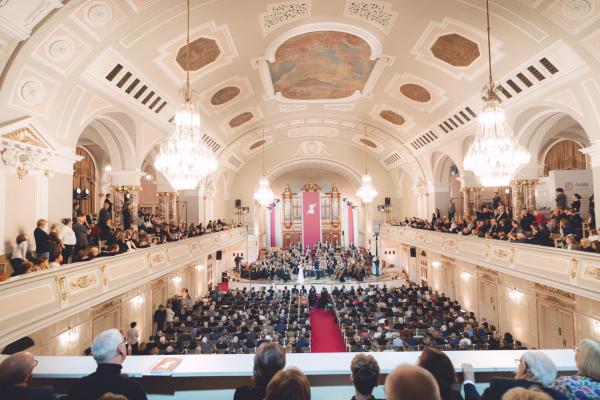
[
  {"x": 564, "y": 155},
  {"x": 84, "y": 179}
]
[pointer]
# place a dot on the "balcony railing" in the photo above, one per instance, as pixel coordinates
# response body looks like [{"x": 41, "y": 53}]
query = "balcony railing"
[
  {"x": 574, "y": 271},
  {"x": 33, "y": 301}
]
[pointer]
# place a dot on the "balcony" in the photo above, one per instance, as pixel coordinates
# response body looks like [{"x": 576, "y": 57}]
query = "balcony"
[
  {"x": 34, "y": 301},
  {"x": 577, "y": 272}
]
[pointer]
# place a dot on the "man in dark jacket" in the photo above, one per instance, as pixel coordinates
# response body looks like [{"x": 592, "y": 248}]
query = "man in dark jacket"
[
  {"x": 109, "y": 351},
  {"x": 42, "y": 239},
  {"x": 561, "y": 199},
  {"x": 160, "y": 316},
  {"x": 15, "y": 374}
]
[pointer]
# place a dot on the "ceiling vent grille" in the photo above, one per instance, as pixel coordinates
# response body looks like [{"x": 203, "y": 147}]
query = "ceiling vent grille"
[
  {"x": 519, "y": 82},
  {"x": 211, "y": 143},
  {"x": 392, "y": 160},
  {"x": 457, "y": 120},
  {"x": 423, "y": 140},
  {"x": 234, "y": 162},
  {"x": 126, "y": 81}
]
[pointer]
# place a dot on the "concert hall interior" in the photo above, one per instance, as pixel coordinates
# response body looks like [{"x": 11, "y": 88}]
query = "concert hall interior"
[{"x": 326, "y": 199}]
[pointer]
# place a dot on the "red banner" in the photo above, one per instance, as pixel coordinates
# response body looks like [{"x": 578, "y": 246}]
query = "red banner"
[
  {"x": 350, "y": 225},
  {"x": 311, "y": 218}
]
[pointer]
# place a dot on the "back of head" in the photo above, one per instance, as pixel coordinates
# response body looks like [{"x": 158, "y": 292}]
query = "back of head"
[
  {"x": 539, "y": 367},
  {"x": 365, "y": 373},
  {"x": 588, "y": 359},
  {"x": 440, "y": 366},
  {"x": 520, "y": 393},
  {"x": 410, "y": 382},
  {"x": 269, "y": 358},
  {"x": 16, "y": 369},
  {"x": 105, "y": 347},
  {"x": 289, "y": 384}
]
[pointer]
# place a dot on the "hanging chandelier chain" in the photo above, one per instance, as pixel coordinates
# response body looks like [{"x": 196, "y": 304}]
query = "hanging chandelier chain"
[
  {"x": 263, "y": 151},
  {"x": 489, "y": 42},
  {"x": 366, "y": 165},
  {"x": 188, "y": 96}
]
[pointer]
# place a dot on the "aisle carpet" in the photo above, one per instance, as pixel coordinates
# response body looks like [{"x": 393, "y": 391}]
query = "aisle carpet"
[
  {"x": 325, "y": 333},
  {"x": 224, "y": 286}
]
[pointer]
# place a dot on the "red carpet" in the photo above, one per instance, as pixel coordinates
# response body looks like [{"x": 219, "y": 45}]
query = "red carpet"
[
  {"x": 223, "y": 286},
  {"x": 325, "y": 333}
]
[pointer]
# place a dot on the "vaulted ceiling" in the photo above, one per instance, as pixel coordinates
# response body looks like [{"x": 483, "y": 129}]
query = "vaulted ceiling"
[{"x": 409, "y": 72}]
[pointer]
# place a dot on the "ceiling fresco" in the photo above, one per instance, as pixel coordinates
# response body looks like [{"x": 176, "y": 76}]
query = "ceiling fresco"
[{"x": 321, "y": 65}]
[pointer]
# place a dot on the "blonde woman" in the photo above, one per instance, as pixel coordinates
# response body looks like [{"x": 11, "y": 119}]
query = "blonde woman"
[{"x": 586, "y": 383}]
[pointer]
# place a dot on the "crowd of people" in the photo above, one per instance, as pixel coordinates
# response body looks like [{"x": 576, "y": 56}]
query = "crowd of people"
[
  {"x": 86, "y": 237},
  {"x": 562, "y": 227},
  {"x": 324, "y": 260},
  {"x": 411, "y": 318},
  {"x": 230, "y": 322},
  {"x": 432, "y": 378}
]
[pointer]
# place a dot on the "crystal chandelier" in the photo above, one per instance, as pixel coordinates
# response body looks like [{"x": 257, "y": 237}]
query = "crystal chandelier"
[
  {"x": 263, "y": 194},
  {"x": 367, "y": 191},
  {"x": 494, "y": 156},
  {"x": 184, "y": 159}
]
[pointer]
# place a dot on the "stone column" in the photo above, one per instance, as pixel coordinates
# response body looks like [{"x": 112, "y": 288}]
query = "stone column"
[
  {"x": 467, "y": 203},
  {"x": 134, "y": 204},
  {"x": 529, "y": 194},
  {"x": 123, "y": 182},
  {"x": 517, "y": 188},
  {"x": 476, "y": 197},
  {"x": 117, "y": 194},
  {"x": 167, "y": 206},
  {"x": 173, "y": 208}
]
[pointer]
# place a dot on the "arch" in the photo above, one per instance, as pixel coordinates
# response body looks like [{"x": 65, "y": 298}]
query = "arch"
[
  {"x": 440, "y": 167},
  {"x": 352, "y": 175},
  {"x": 85, "y": 178},
  {"x": 571, "y": 156}
]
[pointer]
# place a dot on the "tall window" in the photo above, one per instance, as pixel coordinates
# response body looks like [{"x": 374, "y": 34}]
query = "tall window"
[
  {"x": 564, "y": 155},
  {"x": 84, "y": 178}
]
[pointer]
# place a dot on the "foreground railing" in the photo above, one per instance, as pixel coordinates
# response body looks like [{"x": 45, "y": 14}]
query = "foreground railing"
[
  {"x": 220, "y": 374},
  {"x": 33, "y": 301},
  {"x": 575, "y": 271}
]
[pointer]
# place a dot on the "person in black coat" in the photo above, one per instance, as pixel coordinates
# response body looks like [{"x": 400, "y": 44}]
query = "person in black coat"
[
  {"x": 15, "y": 375},
  {"x": 109, "y": 351},
  {"x": 126, "y": 216},
  {"x": 576, "y": 204},
  {"x": 525, "y": 377},
  {"x": 269, "y": 359},
  {"x": 42, "y": 239}
]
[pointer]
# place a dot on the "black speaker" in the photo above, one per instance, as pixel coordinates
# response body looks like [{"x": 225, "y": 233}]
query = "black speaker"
[
  {"x": 238, "y": 203},
  {"x": 413, "y": 251},
  {"x": 220, "y": 254},
  {"x": 388, "y": 201}
]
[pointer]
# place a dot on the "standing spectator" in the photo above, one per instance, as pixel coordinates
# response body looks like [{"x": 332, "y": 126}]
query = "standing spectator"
[
  {"x": 269, "y": 359},
  {"x": 104, "y": 214},
  {"x": 586, "y": 383},
  {"x": 15, "y": 375},
  {"x": 451, "y": 210},
  {"x": 81, "y": 231},
  {"x": 576, "y": 203},
  {"x": 19, "y": 253},
  {"x": 409, "y": 382},
  {"x": 561, "y": 199},
  {"x": 290, "y": 384},
  {"x": 591, "y": 210},
  {"x": 67, "y": 237},
  {"x": 110, "y": 204},
  {"x": 495, "y": 200},
  {"x": 126, "y": 216},
  {"x": 42, "y": 239},
  {"x": 160, "y": 316},
  {"x": 365, "y": 375},
  {"x": 133, "y": 337},
  {"x": 109, "y": 351},
  {"x": 55, "y": 242},
  {"x": 440, "y": 366}
]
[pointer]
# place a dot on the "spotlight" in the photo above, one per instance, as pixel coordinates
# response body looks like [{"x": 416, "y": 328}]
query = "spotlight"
[{"x": 108, "y": 168}]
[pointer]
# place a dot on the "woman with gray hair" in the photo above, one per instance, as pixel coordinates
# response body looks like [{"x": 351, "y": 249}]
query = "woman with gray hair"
[
  {"x": 534, "y": 368},
  {"x": 586, "y": 383}
]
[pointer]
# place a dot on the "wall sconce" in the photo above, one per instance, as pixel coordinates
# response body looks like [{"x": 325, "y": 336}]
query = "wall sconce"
[
  {"x": 176, "y": 279},
  {"x": 69, "y": 337},
  {"x": 199, "y": 267},
  {"x": 515, "y": 295},
  {"x": 138, "y": 300},
  {"x": 465, "y": 275},
  {"x": 108, "y": 168},
  {"x": 597, "y": 327},
  {"x": 436, "y": 264}
]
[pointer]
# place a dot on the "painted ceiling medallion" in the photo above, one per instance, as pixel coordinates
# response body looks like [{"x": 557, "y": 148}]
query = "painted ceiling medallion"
[
  {"x": 415, "y": 92},
  {"x": 99, "y": 14},
  {"x": 224, "y": 95},
  {"x": 577, "y": 9},
  {"x": 256, "y": 145},
  {"x": 203, "y": 51},
  {"x": 368, "y": 143},
  {"x": 392, "y": 117},
  {"x": 455, "y": 50},
  {"x": 32, "y": 92},
  {"x": 321, "y": 65},
  {"x": 241, "y": 119}
]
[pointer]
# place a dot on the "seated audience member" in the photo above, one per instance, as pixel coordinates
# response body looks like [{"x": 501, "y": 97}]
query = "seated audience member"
[
  {"x": 365, "y": 375},
  {"x": 586, "y": 383},
  {"x": 19, "y": 253},
  {"x": 269, "y": 359},
  {"x": 41, "y": 263},
  {"x": 410, "y": 382},
  {"x": 440, "y": 366},
  {"x": 56, "y": 261},
  {"x": 25, "y": 267},
  {"x": 526, "y": 394},
  {"x": 534, "y": 369},
  {"x": 109, "y": 351},
  {"x": 290, "y": 384},
  {"x": 15, "y": 375}
]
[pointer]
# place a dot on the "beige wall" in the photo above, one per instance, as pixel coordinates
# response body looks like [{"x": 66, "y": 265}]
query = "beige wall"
[{"x": 19, "y": 209}]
